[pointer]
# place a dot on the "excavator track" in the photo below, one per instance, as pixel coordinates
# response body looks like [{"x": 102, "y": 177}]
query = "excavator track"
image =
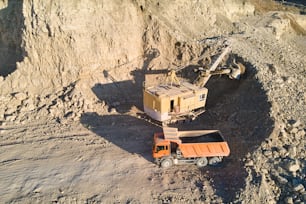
[{"x": 175, "y": 118}]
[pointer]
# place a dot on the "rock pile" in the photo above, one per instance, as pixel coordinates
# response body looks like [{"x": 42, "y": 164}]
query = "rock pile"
[
  {"x": 280, "y": 161},
  {"x": 66, "y": 104}
]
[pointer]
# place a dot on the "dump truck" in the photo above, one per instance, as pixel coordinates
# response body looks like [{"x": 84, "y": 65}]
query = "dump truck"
[{"x": 200, "y": 147}]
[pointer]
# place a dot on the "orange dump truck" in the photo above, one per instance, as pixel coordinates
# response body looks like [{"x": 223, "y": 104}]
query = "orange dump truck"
[{"x": 200, "y": 147}]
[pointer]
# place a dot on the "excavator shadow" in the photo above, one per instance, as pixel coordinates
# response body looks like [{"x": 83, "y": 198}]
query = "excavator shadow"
[
  {"x": 120, "y": 95},
  {"x": 11, "y": 26},
  {"x": 126, "y": 132},
  {"x": 240, "y": 110}
]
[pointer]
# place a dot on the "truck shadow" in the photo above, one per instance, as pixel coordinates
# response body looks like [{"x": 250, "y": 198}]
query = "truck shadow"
[
  {"x": 11, "y": 26},
  {"x": 127, "y": 132},
  {"x": 240, "y": 110}
]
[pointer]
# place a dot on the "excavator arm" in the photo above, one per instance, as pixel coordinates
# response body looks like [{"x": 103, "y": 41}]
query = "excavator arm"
[{"x": 232, "y": 72}]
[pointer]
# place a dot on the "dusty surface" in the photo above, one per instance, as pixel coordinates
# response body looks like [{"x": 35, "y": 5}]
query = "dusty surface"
[{"x": 71, "y": 75}]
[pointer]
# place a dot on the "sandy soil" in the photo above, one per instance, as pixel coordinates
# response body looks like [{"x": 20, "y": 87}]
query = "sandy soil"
[{"x": 81, "y": 140}]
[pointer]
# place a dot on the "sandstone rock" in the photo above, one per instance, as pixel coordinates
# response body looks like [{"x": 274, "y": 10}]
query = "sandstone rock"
[
  {"x": 10, "y": 111},
  {"x": 80, "y": 103},
  {"x": 301, "y": 134},
  {"x": 43, "y": 112},
  {"x": 283, "y": 152},
  {"x": 296, "y": 124},
  {"x": 249, "y": 162},
  {"x": 101, "y": 37},
  {"x": 10, "y": 118},
  {"x": 299, "y": 188},
  {"x": 282, "y": 180},
  {"x": 292, "y": 151},
  {"x": 293, "y": 167},
  {"x": 69, "y": 114},
  {"x": 264, "y": 171},
  {"x": 275, "y": 154},
  {"x": 113, "y": 110},
  {"x": 14, "y": 103},
  {"x": 102, "y": 103},
  {"x": 294, "y": 130},
  {"x": 4, "y": 98},
  {"x": 288, "y": 129},
  {"x": 30, "y": 107},
  {"x": 53, "y": 111},
  {"x": 267, "y": 153},
  {"x": 289, "y": 200},
  {"x": 67, "y": 98},
  {"x": 28, "y": 101},
  {"x": 77, "y": 117},
  {"x": 20, "y": 96},
  {"x": 284, "y": 134}
]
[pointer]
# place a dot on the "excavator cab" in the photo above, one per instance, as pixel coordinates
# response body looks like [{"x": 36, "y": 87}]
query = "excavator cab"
[{"x": 165, "y": 102}]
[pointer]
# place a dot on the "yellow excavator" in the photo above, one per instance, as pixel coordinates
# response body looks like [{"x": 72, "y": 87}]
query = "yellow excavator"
[{"x": 173, "y": 100}]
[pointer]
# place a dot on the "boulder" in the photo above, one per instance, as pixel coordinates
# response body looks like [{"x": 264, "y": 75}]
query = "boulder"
[
  {"x": 20, "y": 96},
  {"x": 299, "y": 188},
  {"x": 289, "y": 200},
  {"x": 293, "y": 167}
]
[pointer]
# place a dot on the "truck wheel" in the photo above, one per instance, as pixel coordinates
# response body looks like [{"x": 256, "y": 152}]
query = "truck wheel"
[
  {"x": 202, "y": 162},
  {"x": 166, "y": 163},
  {"x": 214, "y": 160}
]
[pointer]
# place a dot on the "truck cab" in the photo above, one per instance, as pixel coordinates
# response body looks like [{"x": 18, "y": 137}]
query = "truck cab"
[
  {"x": 161, "y": 148},
  {"x": 200, "y": 147}
]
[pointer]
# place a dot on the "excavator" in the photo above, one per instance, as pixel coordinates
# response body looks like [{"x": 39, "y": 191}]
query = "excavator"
[{"x": 174, "y": 100}]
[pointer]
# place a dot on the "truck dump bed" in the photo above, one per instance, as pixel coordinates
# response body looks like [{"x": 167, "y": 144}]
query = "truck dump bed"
[
  {"x": 202, "y": 137},
  {"x": 200, "y": 143}
]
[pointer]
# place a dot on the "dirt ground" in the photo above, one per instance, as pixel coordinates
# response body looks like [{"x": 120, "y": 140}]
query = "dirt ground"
[{"x": 71, "y": 97}]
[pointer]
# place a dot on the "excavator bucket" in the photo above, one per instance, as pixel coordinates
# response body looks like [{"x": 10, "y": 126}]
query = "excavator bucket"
[{"x": 238, "y": 71}]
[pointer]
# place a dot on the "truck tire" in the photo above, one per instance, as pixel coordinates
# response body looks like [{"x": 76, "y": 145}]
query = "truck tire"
[
  {"x": 201, "y": 162},
  {"x": 214, "y": 160},
  {"x": 166, "y": 163}
]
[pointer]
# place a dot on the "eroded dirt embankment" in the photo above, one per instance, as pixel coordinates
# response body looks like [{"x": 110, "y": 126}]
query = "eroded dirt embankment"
[
  {"x": 84, "y": 61},
  {"x": 70, "y": 44}
]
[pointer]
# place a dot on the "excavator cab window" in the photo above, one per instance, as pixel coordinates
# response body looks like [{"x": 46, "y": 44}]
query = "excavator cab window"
[{"x": 202, "y": 97}]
